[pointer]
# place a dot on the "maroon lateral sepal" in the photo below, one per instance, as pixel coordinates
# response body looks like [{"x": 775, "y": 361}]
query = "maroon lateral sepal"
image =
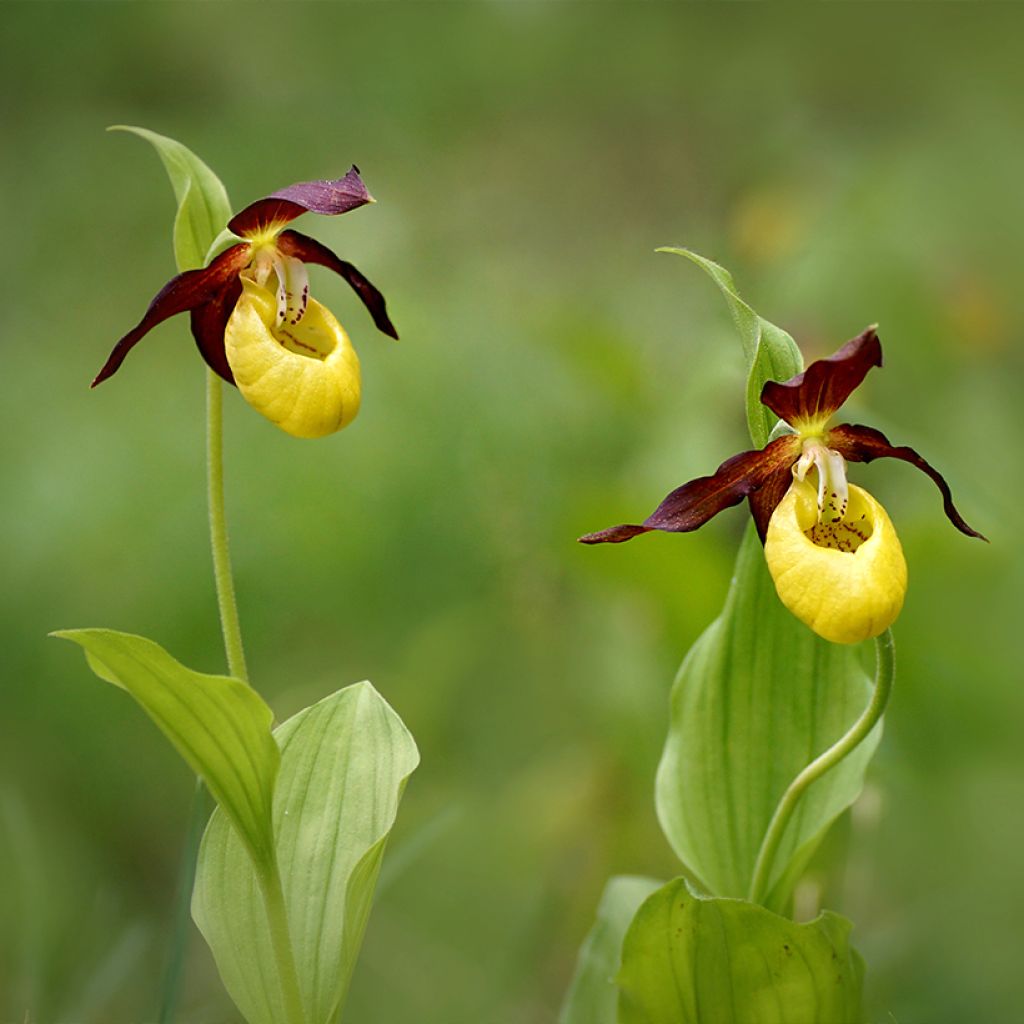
[
  {"x": 766, "y": 498},
  {"x": 327, "y": 197},
  {"x": 186, "y": 291},
  {"x": 309, "y": 250},
  {"x": 823, "y": 387},
  {"x": 864, "y": 444},
  {"x": 209, "y": 321},
  {"x": 694, "y": 503}
]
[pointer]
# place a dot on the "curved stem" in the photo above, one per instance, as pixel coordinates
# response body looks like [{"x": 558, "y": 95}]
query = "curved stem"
[
  {"x": 218, "y": 528},
  {"x": 885, "y": 665}
]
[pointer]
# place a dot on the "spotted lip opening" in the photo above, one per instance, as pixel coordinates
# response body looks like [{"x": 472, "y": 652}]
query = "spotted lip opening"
[{"x": 844, "y": 531}]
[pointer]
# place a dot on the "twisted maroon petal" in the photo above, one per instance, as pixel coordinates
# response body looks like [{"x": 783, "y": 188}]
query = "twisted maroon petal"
[
  {"x": 309, "y": 250},
  {"x": 209, "y": 322},
  {"x": 693, "y": 504},
  {"x": 863, "y": 444},
  {"x": 764, "y": 500},
  {"x": 327, "y": 197},
  {"x": 823, "y": 387},
  {"x": 188, "y": 290}
]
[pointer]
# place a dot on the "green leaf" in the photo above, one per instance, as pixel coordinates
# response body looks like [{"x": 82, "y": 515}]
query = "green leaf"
[
  {"x": 756, "y": 699},
  {"x": 593, "y": 996},
  {"x": 771, "y": 354},
  {"x": 203, "y": 207},
  {"x": 344, "y": 765},
  {"x": 688, "y": 959},
  {"x": 219, "y": 725}
]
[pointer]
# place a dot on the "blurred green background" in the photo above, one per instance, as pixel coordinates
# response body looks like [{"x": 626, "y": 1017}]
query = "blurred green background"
[{"x": 849, "y": 164}]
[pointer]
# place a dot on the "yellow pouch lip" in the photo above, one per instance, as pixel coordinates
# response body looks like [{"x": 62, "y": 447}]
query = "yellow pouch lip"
[
  {"x": 306, "y": 395},
  {"x": 843, "y": 596}
]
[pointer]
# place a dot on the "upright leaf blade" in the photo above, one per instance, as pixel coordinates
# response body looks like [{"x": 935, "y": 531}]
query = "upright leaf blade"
[
  {"x": 771, "y": 354},
  {"x": 344, "y": 765},
  {"x": 756, "y": 699},
  {"x": 219, "y": 725},
  {"x": 688, "y": 959},
  {"x": 593, "y": 996},
  {"x": 203, "y": 207}
]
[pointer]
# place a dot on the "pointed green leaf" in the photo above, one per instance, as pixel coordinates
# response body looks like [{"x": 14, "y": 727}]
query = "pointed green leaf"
[
  {"x": 219, "y": 725},
  {"x": 344, "y": 765},
  {"x": 688, "y": 959},
  {"x": 203, "y": 207},
  {"x": 756, "y": 699},
  {"x": 593, "y": 996},
  {"x": 771, "y": 354}
]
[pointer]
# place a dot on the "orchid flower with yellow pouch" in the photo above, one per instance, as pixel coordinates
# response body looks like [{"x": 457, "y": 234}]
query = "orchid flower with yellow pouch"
[
  {"x": 253, "y": 318},
  {"x": 830, "y": 546}
]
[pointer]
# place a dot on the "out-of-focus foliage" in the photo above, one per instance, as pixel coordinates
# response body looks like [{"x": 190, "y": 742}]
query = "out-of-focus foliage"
[{"x": 849, "y": 164}]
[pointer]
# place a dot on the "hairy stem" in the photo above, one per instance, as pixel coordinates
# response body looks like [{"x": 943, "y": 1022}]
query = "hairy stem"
[{"x": 857, "y": 733}]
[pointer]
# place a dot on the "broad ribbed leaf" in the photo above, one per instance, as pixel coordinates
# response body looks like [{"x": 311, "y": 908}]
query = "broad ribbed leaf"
[
  {"x": 219, "y": 725},
  {"x": 344, "y": 765},
  {"x": 757, "y": 698},
  {"x": 203, "y": 208},
  {"x": 688, "y": 959},
  {"x": 770, "y": 352},
  {"x": 593, "y": 996}
]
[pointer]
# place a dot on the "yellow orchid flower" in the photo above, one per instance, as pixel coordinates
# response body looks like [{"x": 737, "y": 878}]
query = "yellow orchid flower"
[
  {"x": 830, "y": 547},
  {"x": 255, "y": 323}
]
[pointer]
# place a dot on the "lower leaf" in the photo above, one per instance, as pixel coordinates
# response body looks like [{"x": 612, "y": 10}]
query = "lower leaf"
[
  {"x": 690, "y": 959},
  {"x": 344, "y": 765}
]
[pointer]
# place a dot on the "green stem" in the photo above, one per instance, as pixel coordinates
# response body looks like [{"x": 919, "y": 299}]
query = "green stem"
[
  {"x": 270, "y": 880},
  {"x": 219, "y": 530},
  {"x": 232, "y": 633},
  {"x": 885, "y": 665},
  {"x": 280, "y": 938}
]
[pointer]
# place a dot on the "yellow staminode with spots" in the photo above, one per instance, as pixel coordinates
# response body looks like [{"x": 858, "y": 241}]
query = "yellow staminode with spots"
[
  {"x": 845, "y": 579},
  {"x": 303, "y": 376}
]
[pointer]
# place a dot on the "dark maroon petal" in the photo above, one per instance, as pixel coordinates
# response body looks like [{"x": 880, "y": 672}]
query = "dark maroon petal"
[
  {"x": 823, "y": 387},
  {"x": 693, "y": 504},
  {"x": 188, "y": 290},
  {"x": 863, "y": 444},
  {"x": 309, "y": 250},
  {"x": 327, "y": 197},
  {"x": 208, "y": 324},
  {"x": 764, "y": 500}
]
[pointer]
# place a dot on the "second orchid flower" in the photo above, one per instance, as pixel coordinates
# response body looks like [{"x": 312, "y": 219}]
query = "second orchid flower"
[{"x": 830, "y": 547}]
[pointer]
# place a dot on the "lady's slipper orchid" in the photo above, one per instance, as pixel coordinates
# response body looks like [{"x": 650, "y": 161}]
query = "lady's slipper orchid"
[
  {"x": 830, "y": 547},
  {"x": 255, "y": 323}
]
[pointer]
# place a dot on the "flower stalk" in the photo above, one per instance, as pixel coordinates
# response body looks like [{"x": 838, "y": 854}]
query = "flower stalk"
[
  {"x": 841, "y": 749},
  {"x": 232, "y": 633},
  {"x": 222, "y": 575}
]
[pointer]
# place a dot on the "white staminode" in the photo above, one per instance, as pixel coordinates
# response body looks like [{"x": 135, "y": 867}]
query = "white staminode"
[
  {"x": 292, "y": 284},
  {"x": 833, "y": 490}
]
